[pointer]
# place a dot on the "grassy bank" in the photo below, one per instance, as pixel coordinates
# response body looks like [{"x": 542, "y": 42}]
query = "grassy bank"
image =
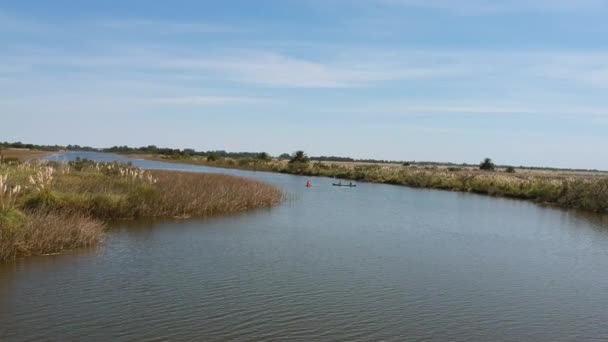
[
  {"x": 587, "y": 191},
  {"x": 48, "y": 208},
  {"x": 10, "y": 155}
]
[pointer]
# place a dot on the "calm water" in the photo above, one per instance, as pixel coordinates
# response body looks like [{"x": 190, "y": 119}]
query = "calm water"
[{"x": 374, "y": 262}]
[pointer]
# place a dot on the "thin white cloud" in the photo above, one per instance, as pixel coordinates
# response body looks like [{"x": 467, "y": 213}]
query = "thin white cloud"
[
  {"x": 545, "y": 109},
  {"x": 480, "y": 7},
  {"x": 438, "y": 81},
  {"x": 13, "y": 69},
  {"x": 148, "y": 26},
  {"x": 357, "y": 68},
  {"x": 10, "y": 23},
  {"x": 479, "y": 107},
  {"x": 250, "y": 67},
  {"x": 372, "y": 68},
  {"x": 202, "y": 101},
  {"x": 110, "y": 104},
  {"x": 273, "y": 69}
]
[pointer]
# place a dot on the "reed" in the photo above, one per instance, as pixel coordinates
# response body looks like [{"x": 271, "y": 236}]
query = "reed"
[
  {"x": 48, "y": 233},
  {"x": 48, "y": 208},
  {"x": 586, "y": 191}
]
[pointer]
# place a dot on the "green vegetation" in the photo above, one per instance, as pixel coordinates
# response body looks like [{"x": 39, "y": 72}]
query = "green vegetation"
[
  {"x": 487, "y": 165},
  {"x": 299, "y": 157},
  {"x": 189, "y": 153},
  {"x": 572, "y": 190},
  {"x": 49, "y": 208},
  {"x": 212, "y": 157},
  {"x": 263, "y": 156}
]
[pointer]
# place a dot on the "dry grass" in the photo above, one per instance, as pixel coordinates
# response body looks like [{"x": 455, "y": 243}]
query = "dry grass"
[
  {"x": 23, "y": 154},
  {"x": 189, "y": 194},
  {"x": 570, "y": 189},
  {"x": 50, "y": 208},
  {"x": 49, "y": 233}
]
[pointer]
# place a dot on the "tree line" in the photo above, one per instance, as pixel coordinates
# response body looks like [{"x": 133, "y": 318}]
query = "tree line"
[{"x": 487, "y": 164}]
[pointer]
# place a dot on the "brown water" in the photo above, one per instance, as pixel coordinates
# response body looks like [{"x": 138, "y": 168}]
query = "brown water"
[{"x": 375, "y": 262}]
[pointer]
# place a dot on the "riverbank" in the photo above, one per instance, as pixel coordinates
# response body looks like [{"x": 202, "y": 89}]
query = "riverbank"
[
  {"x": 50, "y": 208},
  {"x": 580, "y": 190},
  {"x": 22, "y": 154}
]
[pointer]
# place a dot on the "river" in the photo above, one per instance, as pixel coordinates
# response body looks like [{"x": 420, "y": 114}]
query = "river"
[{"x": 375, "y": 262}]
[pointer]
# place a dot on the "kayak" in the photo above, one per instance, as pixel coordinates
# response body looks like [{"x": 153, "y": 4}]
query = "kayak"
[{"x": 348, "y": 185}]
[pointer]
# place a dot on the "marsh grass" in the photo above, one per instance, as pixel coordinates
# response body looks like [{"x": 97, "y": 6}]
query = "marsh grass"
[
  {"x": 43, "y": 232},
  {"x": 586, "y": 191},
  {"x": 17, "y": 155},
  {"x": 61, "y": 207}
]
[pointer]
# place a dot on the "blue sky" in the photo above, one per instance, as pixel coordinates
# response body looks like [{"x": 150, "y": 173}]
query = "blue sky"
[{"x": 523, "y": 82}]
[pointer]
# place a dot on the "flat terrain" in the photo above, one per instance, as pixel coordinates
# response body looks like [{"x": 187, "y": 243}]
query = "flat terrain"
[{"x": 24, "y": 154}]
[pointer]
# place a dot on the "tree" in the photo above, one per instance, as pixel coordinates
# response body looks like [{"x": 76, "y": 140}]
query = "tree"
[
  {"x": 510, "y": 169},
  {"x": 263, "y": 156},
  {"x": 487, "y": 165},
  {"x": 212, "y": 157},
  {"x": 299, "y": 157},
  {"x": 284, "y": 156}
]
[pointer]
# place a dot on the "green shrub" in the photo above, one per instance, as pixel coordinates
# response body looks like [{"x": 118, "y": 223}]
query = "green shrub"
[
  {"x": 299, "y": 157},
  {"x": 487, "y": 165}
]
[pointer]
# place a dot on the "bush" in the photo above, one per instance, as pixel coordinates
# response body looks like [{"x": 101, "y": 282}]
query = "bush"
[
  {"x": 263, "y": 157},
  {"x": 510, "y": 169},
  {"x": 299, "y": 157},
  {"x": 487, "y": 165}
]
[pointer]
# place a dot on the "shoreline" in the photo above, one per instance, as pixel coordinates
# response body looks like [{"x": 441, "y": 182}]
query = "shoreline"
[
  {"x": 23, "y": 154},
  {"x": 48, "y": 208},
  {"x": 586, "y": 191}
]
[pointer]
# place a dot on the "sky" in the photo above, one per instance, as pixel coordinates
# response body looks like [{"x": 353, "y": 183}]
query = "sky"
[{"x": 524, "y": 82}]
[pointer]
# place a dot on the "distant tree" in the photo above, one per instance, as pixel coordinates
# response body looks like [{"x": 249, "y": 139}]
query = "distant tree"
[
  {"x": 263, "y": 156},
  {"x": 487, "y": 165},
  {"x": 212, "y": 157},
  {"x": 510, "y": 169},
  {"x": 284, "y": 156},
  {"x": 298, "y": 157},
  {"x": 150, "y": 148}
]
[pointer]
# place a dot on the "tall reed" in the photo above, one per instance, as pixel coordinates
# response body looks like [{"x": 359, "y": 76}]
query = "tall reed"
[
  {"x": 48, "y": 208},
  {"x": 587, "y": 191},
  {"x": 49, "y": 232}
]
